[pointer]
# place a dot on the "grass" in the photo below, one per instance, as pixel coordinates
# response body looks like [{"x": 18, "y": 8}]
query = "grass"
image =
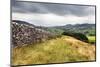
[
  {"x": 59, "y": 50},
  {"x": 91, "y": 39}
]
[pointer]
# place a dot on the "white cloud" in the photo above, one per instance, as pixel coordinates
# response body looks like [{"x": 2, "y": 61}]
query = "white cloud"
[{"x": 52, "y": 19}]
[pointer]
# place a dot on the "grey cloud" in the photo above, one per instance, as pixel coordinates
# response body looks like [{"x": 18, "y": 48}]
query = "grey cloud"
[{"x": 58, "y": 9}]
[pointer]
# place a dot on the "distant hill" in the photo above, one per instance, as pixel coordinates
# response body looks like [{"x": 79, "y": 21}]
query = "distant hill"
[{"x": 87, "y": 29}]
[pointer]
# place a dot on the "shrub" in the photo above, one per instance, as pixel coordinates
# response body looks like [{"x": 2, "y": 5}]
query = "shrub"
[{"x": 79, "y": 36}]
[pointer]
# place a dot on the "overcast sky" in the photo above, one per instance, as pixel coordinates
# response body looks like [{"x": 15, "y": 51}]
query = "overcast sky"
[{"x": 44, "y": 14}]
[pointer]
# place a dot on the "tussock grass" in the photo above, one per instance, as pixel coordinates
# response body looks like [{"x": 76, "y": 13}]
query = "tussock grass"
[{"x": 59, "y": 50}]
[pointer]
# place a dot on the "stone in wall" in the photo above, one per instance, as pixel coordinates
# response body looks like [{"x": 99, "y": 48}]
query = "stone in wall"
[{"x": 24, "y": 33}]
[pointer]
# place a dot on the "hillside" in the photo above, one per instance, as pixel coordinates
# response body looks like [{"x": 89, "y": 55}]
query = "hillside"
[
  {"x": 87, "y": 29},
  {"x": 59, "y": 50},
  {"x": 40, "y": 45}
]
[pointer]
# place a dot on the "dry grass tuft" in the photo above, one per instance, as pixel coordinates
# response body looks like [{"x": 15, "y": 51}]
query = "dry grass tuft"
[{"x": 64, "y": 49}]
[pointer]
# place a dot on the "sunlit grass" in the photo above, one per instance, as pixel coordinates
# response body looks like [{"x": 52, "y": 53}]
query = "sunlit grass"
[
  {"x": 91, "y": 39},
  {"x": 59, "y": 50}
]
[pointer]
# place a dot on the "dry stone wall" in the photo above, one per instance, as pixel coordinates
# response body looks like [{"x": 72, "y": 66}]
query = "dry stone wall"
[{"x": 25, "y": 34}]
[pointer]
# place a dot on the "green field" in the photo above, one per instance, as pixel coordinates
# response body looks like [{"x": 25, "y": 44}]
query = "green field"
[
  {"x": 59, "y": 50},
  {"x": 91, "y": 39}
]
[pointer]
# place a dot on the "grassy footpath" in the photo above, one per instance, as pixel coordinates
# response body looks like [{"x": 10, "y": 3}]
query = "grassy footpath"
[{"x": 64, "y": 49}]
